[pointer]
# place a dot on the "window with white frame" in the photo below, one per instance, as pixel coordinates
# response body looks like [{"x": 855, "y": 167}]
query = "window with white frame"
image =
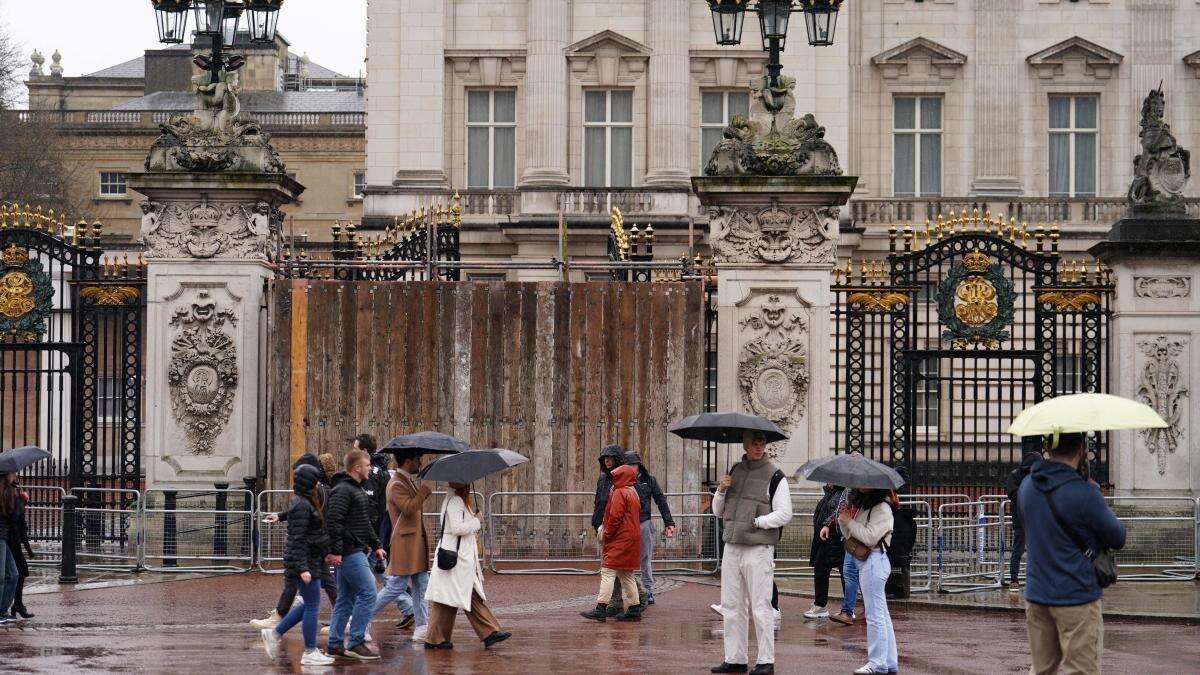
[
  {"x": 1073, "y": 156},
  {"x": 927, "y": 393},
  {"x": 917, "y": 146},
  {"x": 491, "y": 138},
  {"x": 1068, "y": 374},
  {"x": 717, "y": 109},
  {"x": 112, "y": 184},
  {"x": 360, "y": 183},
  {"x": 608, "y": 138},
  {"x": 108, "y": 399}
]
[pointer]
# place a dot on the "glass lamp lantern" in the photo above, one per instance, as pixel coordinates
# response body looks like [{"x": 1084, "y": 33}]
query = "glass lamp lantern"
[
  {"x": 773, "y": 18},
  {"x": 171, "y": 16},
  {"x": 208, "y": 16},
  {"x": 262, "y": 18},
  {"x": 820, "y": 18},
  {"x": 230, "y": 18},
  {"x": 728, "y": 18}
]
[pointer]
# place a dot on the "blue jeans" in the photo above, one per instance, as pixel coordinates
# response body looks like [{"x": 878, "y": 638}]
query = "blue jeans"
[
  {"x": 849, "y": 584},
  {"x": 395, "y": 588},
  {"x": 881, "y": 638},
  {"x": 311, "y": 594},
  {"x": 8, "y": 577},
  {"x": 355, "y": 601}
]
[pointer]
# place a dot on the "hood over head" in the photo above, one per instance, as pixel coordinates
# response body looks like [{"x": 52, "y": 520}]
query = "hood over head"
[
  {"x": 633, "y": 457},
  {"x": 1028, "y": 460},
  {"x": 309, "y": 459},
  {"x": 1047, "y": 475},
  {"x": 614, "y": 451},
  {"x": 305, "y": 478},
  {"x": 623, "y": 476}
]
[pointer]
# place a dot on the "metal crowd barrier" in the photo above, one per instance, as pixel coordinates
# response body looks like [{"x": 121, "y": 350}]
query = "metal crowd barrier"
[
  {"x": 107, "y": 528},
  {"x": 920, "y": 563},
  {"x": 970, "y": 546},
  {"x": 1162, "y": 538},
  {"x": 791, "y": 554},
  {"x": 556, "y": 540},
  {"x": 271, "y": 538},
  {"x": 43, "y": 516},
  {"x": 209, "y": 531}
]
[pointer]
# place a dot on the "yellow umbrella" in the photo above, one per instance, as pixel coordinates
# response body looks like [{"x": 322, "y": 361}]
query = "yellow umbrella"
[{"x": 1084, "y": 412}]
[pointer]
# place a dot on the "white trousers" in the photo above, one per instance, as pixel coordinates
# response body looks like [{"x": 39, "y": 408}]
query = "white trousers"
[
  {"x": 746, "y": 575},
  {"x": 881, "y": 638}
]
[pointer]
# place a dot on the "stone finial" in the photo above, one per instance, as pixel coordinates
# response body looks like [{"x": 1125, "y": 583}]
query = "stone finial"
[
  {"x": 1162, "y": 169},
  {"x": 37, "y": 59},
  {"x": 56, "y": 69}
]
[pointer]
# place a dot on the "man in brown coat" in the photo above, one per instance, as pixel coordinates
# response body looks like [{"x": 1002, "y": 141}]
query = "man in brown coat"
[{"x": 408, "y": 563}]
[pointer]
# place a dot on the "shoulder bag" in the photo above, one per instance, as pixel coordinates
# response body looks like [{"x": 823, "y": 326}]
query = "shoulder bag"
[
  {"x": 859, "y": 550},
  {"x": 446, "y": 560},
  {"x": 1102, "y": 561}
]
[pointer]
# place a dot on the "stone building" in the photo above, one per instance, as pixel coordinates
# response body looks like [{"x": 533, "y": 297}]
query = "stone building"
[
  {"x": 315, "y": 117},
  {"x": 1028, "y": 109}
]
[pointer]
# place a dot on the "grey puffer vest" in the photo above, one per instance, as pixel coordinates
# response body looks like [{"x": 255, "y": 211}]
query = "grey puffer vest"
[{"x": 749, "y": 496}]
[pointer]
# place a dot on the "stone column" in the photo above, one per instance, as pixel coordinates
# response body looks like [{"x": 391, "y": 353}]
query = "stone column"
[
  {"x": 546, "y": 94},
  {"x": 999, "y": 71},
  {"x": 419, "y": 131},
  {"x": 210, "y": 240},
  {"x": 670, "y": 76}
]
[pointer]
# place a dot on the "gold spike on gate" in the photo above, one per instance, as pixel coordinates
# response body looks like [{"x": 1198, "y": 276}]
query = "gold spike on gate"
[{"x": 908, "y": 238}]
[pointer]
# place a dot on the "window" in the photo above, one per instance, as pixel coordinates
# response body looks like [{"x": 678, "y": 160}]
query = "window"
[
  {"x": 112, "y": 184},
  {"x": 1068, "y": 374},
  {"x": 108, "y": 399},
  {"x": 1073, "y": 153},
  {"x": 360, "y": 183},
  {"x": 917, "y": 145},
  {"x": 717, "y": 109},
  {"x": 608, "y": 138},
  {"x": 491, "y": 139},
  {"x": 927, "y": 393}
]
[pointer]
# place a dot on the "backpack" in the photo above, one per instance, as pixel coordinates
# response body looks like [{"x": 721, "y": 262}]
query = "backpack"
[{"x": 904, "y": 536}]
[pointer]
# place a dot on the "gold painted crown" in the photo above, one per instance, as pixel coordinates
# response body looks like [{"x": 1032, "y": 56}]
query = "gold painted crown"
[
  {"x": 976, "y": 262},
  {"x": 15, "y": 256}
]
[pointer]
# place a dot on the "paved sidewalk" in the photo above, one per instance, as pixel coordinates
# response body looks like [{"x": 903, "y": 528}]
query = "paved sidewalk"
[{"x": 199, "y": 626}]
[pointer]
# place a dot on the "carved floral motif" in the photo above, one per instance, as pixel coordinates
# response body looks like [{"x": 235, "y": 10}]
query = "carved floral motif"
[
  {"x": 1160, "y": 387},
  {"x": 202, "y": 373},
  {"x": 775, "y": 234},
  {"x": 773, "y": 368},
  {"x": 1162, "y": 287},
  {"x": 212, "y": 230}
]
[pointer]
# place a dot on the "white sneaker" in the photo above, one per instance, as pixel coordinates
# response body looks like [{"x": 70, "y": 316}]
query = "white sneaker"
[
  {"x": 324, "y": 630},
  {"x": 419, "y": 633},
  {"x": 367, "y": 636},
  {"x": 270, "y": 622},
  {"x": 270, "y": 642},
  {"x": 717, "y": 608},
  {"x": 778, "y": 618},
  {"x": 816, "y": 612},
  {"x": 868, "y": 670},
  {"x": 316, "y": 657}
]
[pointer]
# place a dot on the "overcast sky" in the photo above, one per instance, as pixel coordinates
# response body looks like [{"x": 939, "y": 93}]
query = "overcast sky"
[{"x": 95, "y": 34}]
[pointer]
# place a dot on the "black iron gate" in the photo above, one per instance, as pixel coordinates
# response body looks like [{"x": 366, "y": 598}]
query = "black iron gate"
[
  {"x": 962, "y": 327},
  {"x": 71, "y": 333}
]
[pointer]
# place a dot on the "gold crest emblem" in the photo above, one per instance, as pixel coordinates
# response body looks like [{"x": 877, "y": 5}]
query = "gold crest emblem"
[{"x": 975, "y": 302}]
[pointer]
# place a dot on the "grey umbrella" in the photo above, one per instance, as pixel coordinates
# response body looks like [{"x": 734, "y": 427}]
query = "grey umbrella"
[
  {"x": 470, "y": 466},
  {"x": 851, "y": 470},
  {"x": 428, "y": 442},
  {"x": 725, "y": 427},
  {"x": 12, "y": 461}
]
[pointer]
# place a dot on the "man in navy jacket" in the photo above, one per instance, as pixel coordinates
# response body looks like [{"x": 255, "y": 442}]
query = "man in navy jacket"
[{"x": 1062, "y": 612}]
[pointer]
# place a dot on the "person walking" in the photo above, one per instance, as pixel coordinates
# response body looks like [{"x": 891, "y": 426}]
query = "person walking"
[
  {"x": 1012, "y": 483},
  {"x": 22, "y": 552},
  {"x": 611, "y": 456},
  {"x": 352, "y": 535},
  {"x": 620, "y": 533},
  {"x": 9, "y": 574},
  {"x": 461, "y": 586},
  {"x": 868, "y": 519},
  {"x": 303, "y": 560},
  {"x": 647, "y": 491},
  {"x": 753, "y": 485},
  {"x": 825, "y": 553},
  {"x": 1063, "y": 514},
  {"x": 845, "y": 615},
  {"x": 408, "y": 556},
  {"x": 375, "y": 486}
]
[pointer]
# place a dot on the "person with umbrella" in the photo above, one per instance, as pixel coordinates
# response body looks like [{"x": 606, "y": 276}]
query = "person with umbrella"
[
  {"x": 867, "y": 524},
  {"x": 408, "y": 557},
  {"x": 9, "y": 574}
]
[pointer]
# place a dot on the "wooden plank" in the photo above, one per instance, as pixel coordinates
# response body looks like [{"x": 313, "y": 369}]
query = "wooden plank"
[
  {"x": 461, "y": 371},
  {"x": 363, "y": 366},
  {"x": 542, "y": 436},
  {"x": 280, "y": 377},
  {"x": 694, "y": 382},
  {"x": 447, "y": 315},
  {"x": 526, "y": 415},
  {"x": 561, "y": 377}
]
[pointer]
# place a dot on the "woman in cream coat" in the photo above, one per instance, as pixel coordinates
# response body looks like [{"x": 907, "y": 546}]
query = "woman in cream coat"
[
  {"x": 460, "y": 587},
  {"x": 868, "y": 518}
]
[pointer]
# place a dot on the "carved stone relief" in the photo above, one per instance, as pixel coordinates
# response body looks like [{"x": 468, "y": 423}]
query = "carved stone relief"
[
  {"x": 776, "y": 234},
  {"x": 212, "y": 230},
  {"x": 1161, "y": 386},
  {"x": 773, "y": 369},
  {"x": 202, "y": 373},
  {"x": 1162, "y": 287}
]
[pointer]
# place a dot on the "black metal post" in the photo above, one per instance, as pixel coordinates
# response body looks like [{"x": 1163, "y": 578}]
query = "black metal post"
[
  {"x": 169, "y": 528},
  {"x": 774, "y": 67},
  {"x": 67, "y": 574},
  {"x": 216, "y": 64},
  {"x": 221, "y": 534}
]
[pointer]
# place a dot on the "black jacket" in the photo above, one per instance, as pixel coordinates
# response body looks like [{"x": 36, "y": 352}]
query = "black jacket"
[
  {"x": 376, "y": 487},
  {"x": 348, "y": 518},
  {"x": 307, "y": 542},
  {"x": 604, "y": 482},
  {"x": 825, "y": 511},
  {"x": 647, "y": 489}
]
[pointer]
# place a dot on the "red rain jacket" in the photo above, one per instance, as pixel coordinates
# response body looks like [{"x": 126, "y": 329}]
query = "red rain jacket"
[{"x": 622, "y": 522}]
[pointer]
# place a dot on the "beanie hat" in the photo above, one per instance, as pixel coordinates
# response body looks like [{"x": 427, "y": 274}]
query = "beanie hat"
[
  {"x": 304, "y": 479},
  {"x": 328, "y": 463}
]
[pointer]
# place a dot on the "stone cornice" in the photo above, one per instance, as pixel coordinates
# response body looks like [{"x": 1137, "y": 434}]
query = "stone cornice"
[
  {"x": 1098, "y": 61},
  {"x": 608, "y": 51},
  {"x": 590, "y": 44},
  {"x": 944, "y": 62},
  {"x": 1193, "y": 61}
]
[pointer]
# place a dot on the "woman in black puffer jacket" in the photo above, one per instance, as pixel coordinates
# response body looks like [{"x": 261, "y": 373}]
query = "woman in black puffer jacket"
[{"x": 303, "y": 561}]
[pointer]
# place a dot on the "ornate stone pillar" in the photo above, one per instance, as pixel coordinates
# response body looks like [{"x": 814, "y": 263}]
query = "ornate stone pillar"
[
  {"x": 1154, "y": 252},
  {"x": 999, "y": 71},
  {"x": 773, "y": 230},
  {"x": 546, "y": 94},
  {"x": 670, "y": 76}
]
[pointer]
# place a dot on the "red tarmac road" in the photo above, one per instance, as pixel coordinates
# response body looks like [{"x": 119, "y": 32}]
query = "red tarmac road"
[{"x": 199, "y": 626}]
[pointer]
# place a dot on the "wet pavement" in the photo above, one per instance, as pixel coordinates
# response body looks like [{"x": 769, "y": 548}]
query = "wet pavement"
[{"x": 199, "y": 625}]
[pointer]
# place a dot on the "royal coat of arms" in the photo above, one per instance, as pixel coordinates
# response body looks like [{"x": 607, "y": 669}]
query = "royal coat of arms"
[
  {"x": 202, "y": 373},
  {"x": 26, "y": 296},
  {"x": 975, "y": 303}
]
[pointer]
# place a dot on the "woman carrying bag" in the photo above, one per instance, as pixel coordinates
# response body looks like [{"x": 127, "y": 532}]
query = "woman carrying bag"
[
  {"x": 867, "y": 523},
  {"x": 456, "y": 580}
]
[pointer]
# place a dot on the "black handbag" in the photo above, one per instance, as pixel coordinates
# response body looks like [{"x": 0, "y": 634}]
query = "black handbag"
[
  {"x": 1102, "y": 561},
  {"x": 446, "y": 560}
]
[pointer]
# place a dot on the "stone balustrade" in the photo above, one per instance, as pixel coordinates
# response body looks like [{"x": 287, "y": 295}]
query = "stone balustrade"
[
  {"x": 1096, "y": 211},
  {"x": 150, "y": 119}
]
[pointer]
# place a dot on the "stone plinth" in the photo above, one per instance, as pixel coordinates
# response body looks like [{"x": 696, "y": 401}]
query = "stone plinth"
[
  {"x": 211, "y": 241},
  {"x": 774, "y": 242},
  {"x": 1154, "y": 337}
]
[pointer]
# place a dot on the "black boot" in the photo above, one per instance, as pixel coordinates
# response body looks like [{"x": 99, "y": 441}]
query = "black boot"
[
  {"x": 763, "y": 669},
  {"x": 614, "y": 610},
  {"x": 597, "y": 614},
  {"x": 19, "y": 609}
]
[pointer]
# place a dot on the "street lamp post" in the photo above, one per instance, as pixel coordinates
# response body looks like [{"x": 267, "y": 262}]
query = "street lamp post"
[{"x": 217, "y": 20}]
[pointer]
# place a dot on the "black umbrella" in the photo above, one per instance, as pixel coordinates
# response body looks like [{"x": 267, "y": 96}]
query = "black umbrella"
[
  {"x": 470, "y": 466},
  {"x": 12, "y": 461},
  {"x": 428, "y": 442},
  {"x": 725, "y": 427},
  {"x": 851, "y": 470}
]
